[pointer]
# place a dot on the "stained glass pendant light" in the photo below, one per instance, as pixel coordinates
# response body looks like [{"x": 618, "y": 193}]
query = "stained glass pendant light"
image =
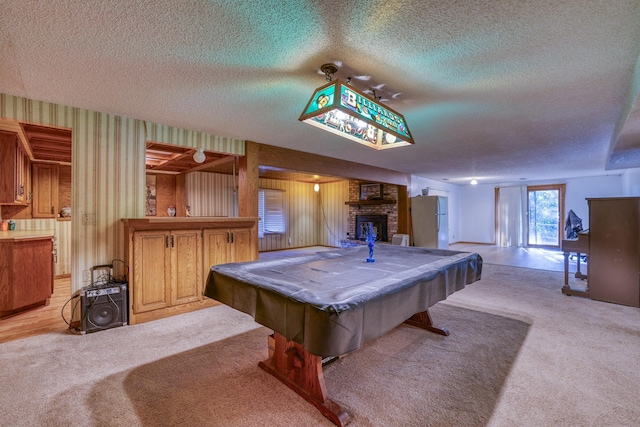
[{"x": 345, "y": 111}]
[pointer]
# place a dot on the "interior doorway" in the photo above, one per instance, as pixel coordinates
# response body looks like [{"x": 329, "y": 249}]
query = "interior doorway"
[{"x": 545, "y": 214}]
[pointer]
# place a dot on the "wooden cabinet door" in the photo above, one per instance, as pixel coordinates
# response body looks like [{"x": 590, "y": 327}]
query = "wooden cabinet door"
[
  {"x": 614, "y": 258},
  {"x": 45, "y": 192},
  {"x": 151, "y": 270},
  {"x": 216, "y": 249},
  {"x": 32, "y": 283},
  {"x": 242, "y": 245},
  {"x": 186, "y": 266},
  {"x": 8, "y": 156}
]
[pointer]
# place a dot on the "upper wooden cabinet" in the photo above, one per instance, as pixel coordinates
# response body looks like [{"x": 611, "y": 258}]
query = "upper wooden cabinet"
[
  {"x": 14, "y": 170},
  {"x": 45, "y": 190}
]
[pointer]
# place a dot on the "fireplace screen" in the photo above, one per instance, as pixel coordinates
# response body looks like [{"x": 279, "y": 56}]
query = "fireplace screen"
[{"x": 379, "y": 226}]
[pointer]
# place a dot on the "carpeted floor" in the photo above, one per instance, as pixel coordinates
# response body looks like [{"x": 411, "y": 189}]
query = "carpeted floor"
[{"x": 520, "y": 353}]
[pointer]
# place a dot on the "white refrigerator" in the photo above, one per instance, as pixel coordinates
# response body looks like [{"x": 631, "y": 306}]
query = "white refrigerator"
[{"x": 430, "y": 222}]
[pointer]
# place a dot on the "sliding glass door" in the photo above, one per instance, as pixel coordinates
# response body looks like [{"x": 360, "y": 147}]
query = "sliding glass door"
[{"x": 546, "y": 211}]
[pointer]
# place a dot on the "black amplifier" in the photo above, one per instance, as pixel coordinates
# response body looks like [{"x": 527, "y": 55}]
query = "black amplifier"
[{"x": 104, "y": 306}]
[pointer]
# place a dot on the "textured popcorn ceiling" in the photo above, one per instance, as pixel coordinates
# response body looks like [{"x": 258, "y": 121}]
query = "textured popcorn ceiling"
[{"x": 496, "y": 90}]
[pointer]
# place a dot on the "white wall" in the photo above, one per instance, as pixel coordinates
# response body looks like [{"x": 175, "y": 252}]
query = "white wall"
[
  {"x": 477, "y": 202},
  {"x": 579, "y": 189},
  {"x": 477, "y": 213},
  {"x": 631, "y": 183}
]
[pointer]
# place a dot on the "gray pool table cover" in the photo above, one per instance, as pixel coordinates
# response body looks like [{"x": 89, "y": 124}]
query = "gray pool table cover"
[{"x": 332, "y": 302}]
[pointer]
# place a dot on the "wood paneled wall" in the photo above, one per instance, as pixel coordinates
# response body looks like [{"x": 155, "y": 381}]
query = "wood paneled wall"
[
  {"x": 300, "y": 202},
  {"x": 64, "y": 186},
  {"x": 165, "y": 193},
  {"x": 333, "y": 214},
  {"x": 108, "y": 171}
]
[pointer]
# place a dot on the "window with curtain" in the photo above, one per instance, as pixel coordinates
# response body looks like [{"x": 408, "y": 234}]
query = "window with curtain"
[
  {"x": 271, "y": 212},
  {"x": 512, "y": 212}
]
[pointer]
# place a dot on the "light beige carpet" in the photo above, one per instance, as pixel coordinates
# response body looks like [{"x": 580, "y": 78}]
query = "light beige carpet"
[{"x": 520, "y": 353}]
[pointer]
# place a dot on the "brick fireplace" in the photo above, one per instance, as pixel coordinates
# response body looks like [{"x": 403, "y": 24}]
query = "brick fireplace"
[
  {"x": 386, "y": 207},
  {"x": 379, "y": 223}
]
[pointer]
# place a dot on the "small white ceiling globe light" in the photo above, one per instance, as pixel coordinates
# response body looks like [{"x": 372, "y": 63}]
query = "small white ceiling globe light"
[
  {"x": 474, "y": 181},
  {"x": 199, "y": 156},
  {"x": 316, "y": 187}
]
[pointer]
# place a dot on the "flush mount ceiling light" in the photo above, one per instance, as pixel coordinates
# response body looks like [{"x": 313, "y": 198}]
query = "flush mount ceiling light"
[
  {"x": 199, "y": 156},
  {"x": 474, "y": 181},
  {"x": 345, "y": 111}
]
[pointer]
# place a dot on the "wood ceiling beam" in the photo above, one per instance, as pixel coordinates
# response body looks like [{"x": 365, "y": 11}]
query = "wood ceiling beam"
[
  {"x": 211, "y": 164},
  {"x": 300, "y": 161}
]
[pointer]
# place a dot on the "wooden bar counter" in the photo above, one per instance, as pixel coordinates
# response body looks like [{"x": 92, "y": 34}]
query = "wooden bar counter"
[{"x": 169, "y": 259}]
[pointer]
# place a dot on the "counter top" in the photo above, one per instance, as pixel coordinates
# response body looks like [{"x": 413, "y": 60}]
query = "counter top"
[
  {"x": 25, "y": 235},
  {"x": 188, "y": 223},
  {"x": 191, "y": 219}
]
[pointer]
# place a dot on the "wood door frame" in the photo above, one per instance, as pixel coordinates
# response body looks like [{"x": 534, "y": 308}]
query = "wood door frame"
[{"x": 561, "y": 189}]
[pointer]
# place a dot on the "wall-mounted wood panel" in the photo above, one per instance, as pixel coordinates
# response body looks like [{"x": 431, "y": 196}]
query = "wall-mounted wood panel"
[
  {"x": 64, "y": 186},
  {"x": 165, "y": 193}
]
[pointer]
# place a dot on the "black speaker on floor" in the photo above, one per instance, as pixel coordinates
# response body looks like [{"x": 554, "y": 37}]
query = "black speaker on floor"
[{"x": 104, "y": 307}]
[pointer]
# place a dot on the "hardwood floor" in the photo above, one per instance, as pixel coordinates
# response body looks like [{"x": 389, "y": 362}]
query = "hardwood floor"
[
  {"x": 42, "y": 319},
  {"x": 49, "y": 319},
  {"x": 533, "y": 257}
]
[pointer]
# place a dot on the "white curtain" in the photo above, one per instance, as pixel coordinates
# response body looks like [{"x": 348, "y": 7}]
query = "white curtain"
[{"x": 512, "y": 216}]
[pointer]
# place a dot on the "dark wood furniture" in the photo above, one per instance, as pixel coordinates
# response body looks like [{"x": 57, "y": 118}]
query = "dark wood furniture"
[
  {"x": 614, "y": 250},
  {"x": 578, "y": 246},
  {"x": 26, "y": 271},
  {"x": 325, "y": 305}
]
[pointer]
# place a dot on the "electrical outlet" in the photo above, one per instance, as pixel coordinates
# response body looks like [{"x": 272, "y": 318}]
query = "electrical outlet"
[
  {"x": 89, "y": 219},
  {"x": 86, "y": 276}
]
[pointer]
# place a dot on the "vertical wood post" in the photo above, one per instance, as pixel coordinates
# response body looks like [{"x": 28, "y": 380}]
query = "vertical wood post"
[{"x": 248, "y": 181}]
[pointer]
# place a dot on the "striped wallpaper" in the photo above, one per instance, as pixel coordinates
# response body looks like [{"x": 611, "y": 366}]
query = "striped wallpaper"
[
  {"x": 211, "y": 194},
  {"x": 333, "y": 215},
  {"x": 108, "y": 172}
]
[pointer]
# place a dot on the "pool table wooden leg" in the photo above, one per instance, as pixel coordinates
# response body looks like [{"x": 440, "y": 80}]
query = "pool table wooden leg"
[
  {"x": 302, "y": 372},
  {"x": 423, "y": 320}
]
